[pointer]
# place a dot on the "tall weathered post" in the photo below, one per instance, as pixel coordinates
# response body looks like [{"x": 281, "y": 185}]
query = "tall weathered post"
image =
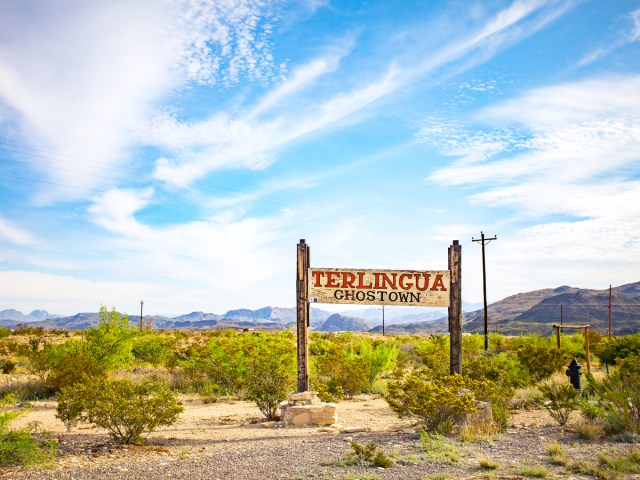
[
  {"x": 302, "y": 296},
  {"x": 455, "y": 308}
]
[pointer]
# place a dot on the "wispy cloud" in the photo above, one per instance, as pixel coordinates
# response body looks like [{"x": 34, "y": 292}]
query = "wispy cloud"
[
  {"x": 568, "y": 151},
  {"x": 253, "y": 140},
  {"x": 15, "y": 235},
  {"x": 82, "y": 76},
  {"x": 630, "y": 34}
]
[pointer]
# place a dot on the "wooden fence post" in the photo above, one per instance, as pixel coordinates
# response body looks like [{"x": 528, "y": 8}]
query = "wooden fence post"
[
  {"x": 302, "y": 310},
  {"x": 455, "y": 309}
]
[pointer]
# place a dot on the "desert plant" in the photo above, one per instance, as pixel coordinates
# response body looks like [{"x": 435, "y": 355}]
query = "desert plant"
[
  {"x": 271, "y": 374},
  {"x": 488, "y": 463},
  {"x": 559, "y": 400},
  {"x": 20, "y": 446},
  {"x": 439, "y": 404},
  {"x": 557, "y": 454},
  {"x": 102, "y": 349},
  {"x": 541, "y": 358},
  {"x": 369, "y": 453},
  {"x": 128, "y": 411},
  {"x": 438, "y": 448},
  {"x": 7, "y": 365}
]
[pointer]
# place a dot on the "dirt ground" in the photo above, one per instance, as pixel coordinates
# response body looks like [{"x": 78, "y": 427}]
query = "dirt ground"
[{"x": 227, "y": 440}]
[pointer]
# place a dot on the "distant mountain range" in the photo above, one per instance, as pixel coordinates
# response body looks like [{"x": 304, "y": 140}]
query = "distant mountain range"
[{"x": 531, "y": 312}]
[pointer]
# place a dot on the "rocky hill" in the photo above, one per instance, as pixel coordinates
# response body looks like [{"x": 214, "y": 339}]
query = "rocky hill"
[
  {"x": 531, "y": 312},
  {"x": 340, "y": 323},
  {"x": 537, "y": 311}
]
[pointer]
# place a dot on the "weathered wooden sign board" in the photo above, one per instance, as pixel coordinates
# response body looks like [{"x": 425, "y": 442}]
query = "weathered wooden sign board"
[
  {"x": 430, "y": 288},
  {"x": 379, "y": 287}
]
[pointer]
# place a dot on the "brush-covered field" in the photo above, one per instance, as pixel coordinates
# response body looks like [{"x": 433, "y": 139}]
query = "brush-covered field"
[{"x": 114, "y": 402}]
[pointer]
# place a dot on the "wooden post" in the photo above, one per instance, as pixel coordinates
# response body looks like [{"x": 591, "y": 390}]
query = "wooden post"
[
  {"x": 586, "y": 347},
  {"x": 609, "y": 330},
  {"x": 455, "y": 309},
  {"x": 302, "y": 310},
  {"x": 557, "y": 334}
]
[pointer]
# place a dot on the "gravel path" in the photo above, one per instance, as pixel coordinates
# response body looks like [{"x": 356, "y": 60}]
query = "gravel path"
[{"x": 225, "y": 441}]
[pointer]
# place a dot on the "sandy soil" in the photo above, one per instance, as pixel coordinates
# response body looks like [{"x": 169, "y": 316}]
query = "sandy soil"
[{"x": 226, "y": 440}]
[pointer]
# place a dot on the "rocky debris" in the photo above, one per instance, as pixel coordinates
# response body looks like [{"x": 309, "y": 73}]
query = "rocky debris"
[{"x": 306, "y": 409}]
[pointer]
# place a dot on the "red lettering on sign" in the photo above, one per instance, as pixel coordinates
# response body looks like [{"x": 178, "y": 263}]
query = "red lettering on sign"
[
  {"x": 426, "y": 281},
  {"x": 439, "y": 283},
  {"x": 347, "y": 279},
  {"x": 332, "y": 279},
  {"x": 316, "y": 277},
  {"x": 401, "y": 280},
  {"x": 361, "y": 283}
]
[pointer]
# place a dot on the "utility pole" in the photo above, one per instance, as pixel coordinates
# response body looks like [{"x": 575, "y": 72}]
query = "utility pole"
[
  {"x": 483, "y": 241},
  {"x": 141, "y": 304},
  {"x": 609, "y": 331}
]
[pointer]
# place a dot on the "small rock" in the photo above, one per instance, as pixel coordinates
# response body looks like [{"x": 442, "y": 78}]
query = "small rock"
[{"x": 354, "y": 429}]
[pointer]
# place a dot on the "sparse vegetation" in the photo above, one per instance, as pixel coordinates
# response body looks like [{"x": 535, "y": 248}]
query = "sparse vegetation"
[
  {"x": 128, "y": 411},
  {"x": 369, "y": 453},
  {"x": 559, "y": 400}
]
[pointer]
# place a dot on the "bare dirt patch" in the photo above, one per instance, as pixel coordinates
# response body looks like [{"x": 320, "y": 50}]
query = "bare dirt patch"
[{"x": 225, "y": 440}]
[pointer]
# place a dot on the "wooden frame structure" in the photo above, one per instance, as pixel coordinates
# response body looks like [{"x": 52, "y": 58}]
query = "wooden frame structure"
[
  {"x": 454, "y": 300},
  {"x": 585, "y": 332}
]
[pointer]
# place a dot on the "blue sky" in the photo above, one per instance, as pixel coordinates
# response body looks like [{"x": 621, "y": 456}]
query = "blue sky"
[{"x": 177, "y": 151}]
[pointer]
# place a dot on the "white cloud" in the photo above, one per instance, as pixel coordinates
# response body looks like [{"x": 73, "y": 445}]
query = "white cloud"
[
  {"x": 630, "y": 35},
  {"x": 15, "y": 235},
  {"x": 564, "y": 160},
  {"x": 81, "y": 76}
]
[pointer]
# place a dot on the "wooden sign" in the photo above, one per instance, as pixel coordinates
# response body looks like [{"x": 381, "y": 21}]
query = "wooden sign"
[{"x": 379, "y": 287}]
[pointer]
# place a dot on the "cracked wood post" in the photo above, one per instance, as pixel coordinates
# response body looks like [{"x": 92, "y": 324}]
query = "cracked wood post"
[
  {"x": 302, "y": 310},
  {"x": 455, "y": 308}
]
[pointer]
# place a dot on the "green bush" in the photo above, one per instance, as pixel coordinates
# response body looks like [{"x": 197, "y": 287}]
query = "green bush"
[
  {"x": 618, "y": 348},
  {"x": 336, "y": 362},
  {"x": 369, "y": 453},
  {"x": 20, "y": 446},
  {"x": 103, "y": 349},
  {"x": 541, "y": 358},
  {"x": 271, "y": 374},
  {"x": 7, "y": 365},
  {"x": 152, "y": 348},
  {"x": 439, "y": 404},
  {"x": 128, "y": 411},
  {"x": 559, "y": 400}
]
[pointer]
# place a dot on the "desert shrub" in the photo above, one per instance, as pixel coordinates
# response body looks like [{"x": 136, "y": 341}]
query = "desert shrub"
[
  {"x": 257, "y": 366},
  {"x": 541, "y": 358},
  {"x": 589, "y": 430},
  {"x": 609, "y": 465},
  {"x": 618, "y": 348},
  {"x": 557, "y": 453},
  {"x": 502, "y": 369},
  {"x": 433, "y": 353},
  {"x": 438, "y": 448},
  {"x": 271, "y": 374},
  {"x": 559, "y": 400},
  {"x": 438, "y": 403},
  {"x": 128, "y": 411},
  {"x": 337, "y": 363},
  {"x": 152, "y": 348},
  {"x": 369, "y": 453},
  {"x": 103, "y": 349},
  {"x": 20, "y": 446},
  {"x": 4, "y": 332},
  {"x": 7, "y": 365},
  {"x": 622, "y": 392}
]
